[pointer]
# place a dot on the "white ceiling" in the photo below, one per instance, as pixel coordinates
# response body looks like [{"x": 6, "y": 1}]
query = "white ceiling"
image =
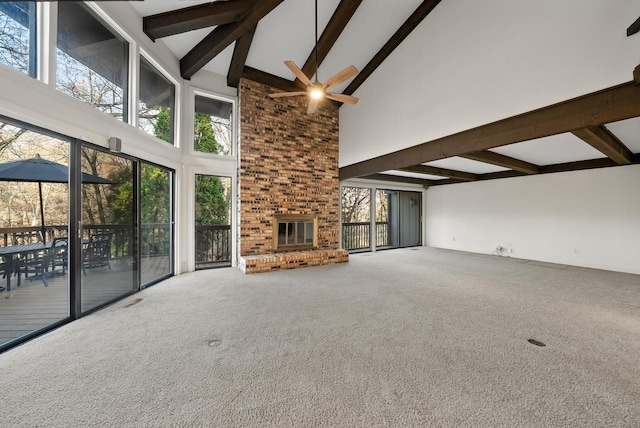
[
  {"x": 628, "y": 131},
  {"x": 551, "y": 150},
  {"x": 413, "y": 175},
  {"x": 467, "y": 165},
  {"x": 287, "y": 33}
]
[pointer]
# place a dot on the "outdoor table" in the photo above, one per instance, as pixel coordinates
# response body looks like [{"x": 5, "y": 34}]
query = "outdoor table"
[{"x": 10, "y": 253}]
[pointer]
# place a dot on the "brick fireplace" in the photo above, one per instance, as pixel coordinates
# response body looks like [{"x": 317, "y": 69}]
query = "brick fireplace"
[{"x": 288, "y": 170}]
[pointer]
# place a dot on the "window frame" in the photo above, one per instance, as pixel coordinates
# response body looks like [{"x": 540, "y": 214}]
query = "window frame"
[
  {"x": 175, "y": 109},
  {"x": 34, "y": 42},
  {"x": 233, "y": 147},
  {"x": 109, "y": 24}
]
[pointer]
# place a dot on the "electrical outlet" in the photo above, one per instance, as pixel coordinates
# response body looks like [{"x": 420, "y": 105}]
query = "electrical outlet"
[
  {"x": 576, "y": 251},
  {"x": 453, "y": 239}
]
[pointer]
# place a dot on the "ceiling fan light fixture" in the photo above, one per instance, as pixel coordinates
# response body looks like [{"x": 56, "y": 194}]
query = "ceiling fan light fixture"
[{"x": 316, "y": 93}]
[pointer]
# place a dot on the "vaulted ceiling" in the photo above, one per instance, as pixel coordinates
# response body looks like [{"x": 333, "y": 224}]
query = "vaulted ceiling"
[{"x": 252, "y": 38}]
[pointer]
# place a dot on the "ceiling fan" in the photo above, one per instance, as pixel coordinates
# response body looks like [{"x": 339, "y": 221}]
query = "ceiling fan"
[{"x": 317, "y": 90}]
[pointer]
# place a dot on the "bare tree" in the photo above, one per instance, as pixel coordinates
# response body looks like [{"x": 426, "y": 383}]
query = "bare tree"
[{"x": 356, "y": 204}]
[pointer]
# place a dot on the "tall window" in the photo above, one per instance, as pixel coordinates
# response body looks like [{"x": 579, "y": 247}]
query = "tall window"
[
  {"x": 213, "y": 221},
  {"x": 213, "y": 126},
  {"x": 18, "y": 36},
  {"x": 356, "y": 218},
  {"x": 156, "y": 103},
  {"x": 92, "y": 60},
  {"x": 156, "y": 216}
]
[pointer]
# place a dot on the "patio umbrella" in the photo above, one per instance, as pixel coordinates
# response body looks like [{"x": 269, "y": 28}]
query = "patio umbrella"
[{"x": 42, "y": 171}]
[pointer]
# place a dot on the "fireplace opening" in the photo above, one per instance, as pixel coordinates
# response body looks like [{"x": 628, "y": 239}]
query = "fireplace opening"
[{"x": 295, "y": 232}]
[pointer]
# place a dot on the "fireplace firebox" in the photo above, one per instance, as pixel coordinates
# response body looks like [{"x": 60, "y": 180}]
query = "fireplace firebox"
[{"x": 294, "y": 232}]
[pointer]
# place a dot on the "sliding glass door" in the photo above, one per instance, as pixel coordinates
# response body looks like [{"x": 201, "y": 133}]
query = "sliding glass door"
[
  {"x": 156, "y": 217},
  {"x": 377, "y": 219},
  {"x": 34, "y": 218},
  {"x": 81, "y": 227},
  {"x": 109, "y": 268}
]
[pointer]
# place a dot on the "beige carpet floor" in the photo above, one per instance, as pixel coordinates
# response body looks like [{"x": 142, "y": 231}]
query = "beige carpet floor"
[{"x": 411, "y": 337}]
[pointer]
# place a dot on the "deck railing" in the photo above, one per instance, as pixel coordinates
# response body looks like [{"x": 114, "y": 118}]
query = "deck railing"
[
  {"x": 356, "y": 236},
  {"x": 155, "y": 237},
  {"x": 213, "y": 245}
]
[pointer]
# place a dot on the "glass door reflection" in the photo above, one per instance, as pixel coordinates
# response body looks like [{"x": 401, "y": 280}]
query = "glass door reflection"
[
  {"x": 108, "y": 228},
  {"x": 34, "y": 262},
  {"x": 156, "y": 216}
]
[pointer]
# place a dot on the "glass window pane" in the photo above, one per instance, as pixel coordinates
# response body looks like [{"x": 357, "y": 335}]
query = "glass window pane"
[
  {"x": 356, "y": 216},
  {"x": 290, "y": 234},
  {"x": 213, "y": 126},
  {"x": 282, "y": 233},
  {"x": 213, "y": 221},
  {"x": 156, "y": 103},
  {"x": 309, "y": 233},
  {"x": 34, "y": 220},
  {"x": 108, "y": 228},
  {"x": 156, "y": 216},
  {"x": 92, "y": 60},
  {"x": 18, "y": 36}
]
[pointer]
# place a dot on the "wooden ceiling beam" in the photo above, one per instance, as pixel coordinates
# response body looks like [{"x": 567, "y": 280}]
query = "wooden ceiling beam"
[
  {"x": 405, "y": 29},
  {"x": 595, "y": 109},
  {"x": 633, "y": 28},
  {"x": 550, "y": 169},
  {"x": 239, "y": 58},
  {"x": 270, "y": 79},
  {"x": 600, "y": 138},
  {"x": 223, "y": 36},
  {"x": 400, "y": 179},
  {"x": 501, "y": 160},
  {"x": 194, "y": 17},
  {"x": 332, "y": 31},
  {"x": 440, "y": 172}
]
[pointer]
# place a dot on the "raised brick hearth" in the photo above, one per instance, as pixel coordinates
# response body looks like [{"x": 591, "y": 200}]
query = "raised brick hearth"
[
  {"x": 292, "y": 260},
  {"x": 288, "y": 166}
]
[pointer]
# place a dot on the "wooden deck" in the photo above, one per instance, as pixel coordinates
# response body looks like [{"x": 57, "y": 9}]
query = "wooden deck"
[{"x": 33, "y": 306}]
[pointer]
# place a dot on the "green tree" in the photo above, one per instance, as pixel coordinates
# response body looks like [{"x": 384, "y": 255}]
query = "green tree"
[
  {"x": 211, "y": 203},
  {"x": 162, "y": 126},
  {"x": 204, "y": 137},
  {"x": 121, "y": 200},
  {"x": 154, "y": 195}
]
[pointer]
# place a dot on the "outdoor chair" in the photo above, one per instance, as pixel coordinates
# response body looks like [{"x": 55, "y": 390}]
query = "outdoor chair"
[
  {"x": 32, "y": 265},
  {"x": 57, "y": 259},
  {"x": 97, "y": 251},
  {"x": 26, "y": 238},
  {"x": 3, "y": 267}
]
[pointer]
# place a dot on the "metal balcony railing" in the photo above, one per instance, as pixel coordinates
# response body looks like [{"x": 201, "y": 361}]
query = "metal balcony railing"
[
  {"x": 213, "y": 245},
  {"x": 357, "y": 236}
]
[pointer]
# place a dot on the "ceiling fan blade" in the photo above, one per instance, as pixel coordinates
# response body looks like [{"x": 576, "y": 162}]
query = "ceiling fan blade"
[
  {"x": 299, "y": 74},
  {"x": 287, "y": 94},
  {"x": 342, "y": 98},
  {"x": 313, "y": 105},
  {"x": 345, "y": 74}
]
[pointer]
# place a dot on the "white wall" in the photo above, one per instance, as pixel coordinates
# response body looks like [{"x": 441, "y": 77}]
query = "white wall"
[
  {"x": 473, "y": 62},
  {"x": 583, "y": 218}
]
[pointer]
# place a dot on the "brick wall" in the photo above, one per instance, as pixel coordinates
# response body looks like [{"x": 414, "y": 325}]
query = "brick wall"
[{"x": 288, "y": 165}]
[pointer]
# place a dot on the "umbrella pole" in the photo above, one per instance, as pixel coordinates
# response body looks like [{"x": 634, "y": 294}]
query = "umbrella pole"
[{"x": 42, "y": 228}]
